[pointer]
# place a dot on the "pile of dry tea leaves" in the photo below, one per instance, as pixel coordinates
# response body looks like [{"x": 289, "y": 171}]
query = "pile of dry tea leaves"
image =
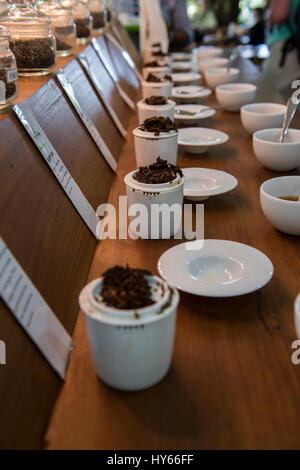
[
  {"x": 158, "y": 173},
  {"x": 156, "y": 100},
  {"x": 158, "y": 124},
  {"x": 126, "y": 288}
]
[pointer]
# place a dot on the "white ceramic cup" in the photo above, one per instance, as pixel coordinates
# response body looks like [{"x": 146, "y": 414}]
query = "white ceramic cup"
[
  {"x": 158, "y": 89},
  {"x": 283, "y": 215},
  {"x": 148, "y": 53},
  {"x": 209, "y": 51},
  {"x": 149, "y": 146},
  {"x": 211, "y": 62},
  {"x": 274, "y": 155},
  {"x": 158, "y": 201},
  {"x": 219, "y": 75},
  {"x": 259, "y": 116},
  {"x": 158, "y": 71},
  {"x": 146, "y": 111},
  {"x": 131, "y": 349},
  {"x": 235, "y": 95}
]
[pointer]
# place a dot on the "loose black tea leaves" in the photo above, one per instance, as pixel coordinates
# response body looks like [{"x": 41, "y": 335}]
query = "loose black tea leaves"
[
  {"x": 158, "y": 124},
  {"x": 83, "y": 27},
  {"x": 33, "y": 53},
  {"x": 158, "y": 173},
  {"x": 99, "y": 19},
  {"x": 154, "y": 63},
  {"x": 156, "y": 100},
  {"x": 126, "y": 288}
]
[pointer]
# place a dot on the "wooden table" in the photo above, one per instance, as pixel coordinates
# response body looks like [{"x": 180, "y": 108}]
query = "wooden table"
[{"x": 232, "y": 383}]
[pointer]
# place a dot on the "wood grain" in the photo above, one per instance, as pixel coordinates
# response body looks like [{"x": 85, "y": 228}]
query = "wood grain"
[{"x": 231, "y": 384}]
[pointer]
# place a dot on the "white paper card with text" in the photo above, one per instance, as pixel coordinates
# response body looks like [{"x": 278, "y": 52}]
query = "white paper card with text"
[
  {"x": 33, "y": 313},
  {"x": 59, "y": 169}
]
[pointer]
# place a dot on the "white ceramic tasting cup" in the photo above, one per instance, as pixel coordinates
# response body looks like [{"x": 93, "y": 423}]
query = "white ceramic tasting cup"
[
  {"x": 158, "y": 89},
  {"x": 151, "y": 197},
  {"x": 259, "y": 116},
  {"x": 211, "y": 62},
  {"x": 146, "y": 111},
  {"x": 219, "y": 75},
  {"x": 131, "y": 349},
  {"x": 149, "y": 146},
  {"x": 235, "y": 95},
  {"x": 283, "y": 215},
  {"x": 274, "y": 155},
  {"x": 148, "y": 53},
  {"x": 297, "y": 316},
  {"x": 209, "y": 51},
  {"x": 158, "y": 71}
]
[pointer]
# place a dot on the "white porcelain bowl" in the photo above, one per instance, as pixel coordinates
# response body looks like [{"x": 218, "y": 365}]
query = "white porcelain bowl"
[
  {"x": 219, "y": 75},
  {"x": 259, "y": 116},
  {"x": 146, "y": 111},
  {"x": 158, "y": 89},
  {"x": 149, "y": 146},
  {"x": 274, "y": 155},
  {"x": 209, "y": 51},
  {"x": 235, "y": 95},
  {"x": 297, "y": 316},
  {"x": 158, "y": 71},
  {"x": 199, "y": 139},
  {"x": 157, "y": 201},
  {"x": 131, "y": 350},
  {"x": 283, "y": 215},
  {"x": 188, "y": 78},
  {"x": 211, "y": 62}
]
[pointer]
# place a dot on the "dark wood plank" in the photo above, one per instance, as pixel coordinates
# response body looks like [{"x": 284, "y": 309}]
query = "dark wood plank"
[
  {"x": 232, "y": 383},
  {"x": 127, "y": 43}
]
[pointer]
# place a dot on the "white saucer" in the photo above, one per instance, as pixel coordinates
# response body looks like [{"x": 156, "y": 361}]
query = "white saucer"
[
  {"x": 190, "y": 93},
  {"x": 194, "y": 108},
  {"x": 181, "y": 56},
  {"x": 181, "y": 66},
  {"x": 201, "y": 183},
  {"x": 183, "y": 78},
  {"x": 199, "y": 139},
  {"x": 215, "y": 268}
]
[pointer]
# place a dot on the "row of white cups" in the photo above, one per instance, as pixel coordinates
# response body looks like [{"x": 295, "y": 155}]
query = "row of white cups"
[{"x": 132, "y": 349}]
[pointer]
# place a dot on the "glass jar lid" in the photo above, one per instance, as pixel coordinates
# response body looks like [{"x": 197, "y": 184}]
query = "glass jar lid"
[{"x": 24, "y": 13}]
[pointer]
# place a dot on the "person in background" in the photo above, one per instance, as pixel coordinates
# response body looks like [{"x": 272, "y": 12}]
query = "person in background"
[
  {"x": 281, "y": 68},
  {"x": 204, "y": 21},
  {"x": 179, "y": 25},
  {"x": 257, "y": 32}
]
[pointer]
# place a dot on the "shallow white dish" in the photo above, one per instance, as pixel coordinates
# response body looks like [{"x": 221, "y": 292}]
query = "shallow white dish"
[
  {"x": 283, "y": 215},
  {"x": 200, "y": 139},
  {"x": 297, "y": 316},
  {"x": 190, "y": 93},
  {"x": 259, "y": 116},
  {"x": 185, "y": 78},
  {"x": 193, "y": 108},
  {"x": 202, "y": 183},
  {"x": 215, "y": 268},
  {"x": 235, "y": 95},
  {"x": 181, "y": 66},
  {"x": 181, "y": 56},
  {"x": 274, "y": 155}
]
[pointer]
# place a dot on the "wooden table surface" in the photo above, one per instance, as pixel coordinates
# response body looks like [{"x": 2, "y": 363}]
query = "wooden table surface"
[{"x": 232, "y": 384}]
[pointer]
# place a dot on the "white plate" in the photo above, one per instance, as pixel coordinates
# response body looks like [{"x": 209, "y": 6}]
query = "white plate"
[
  {"x": 201, "y": 183},
  {"x": 185, "y": 77},
  {"x": 215, "y": 268},
  {"x": 199, "y": 139},
  {"x": 181, "y": 66},
  {"x": 190, "y": 92},
  {"x": 179, "y": 56},
  {"x": 194, "y": 108}
]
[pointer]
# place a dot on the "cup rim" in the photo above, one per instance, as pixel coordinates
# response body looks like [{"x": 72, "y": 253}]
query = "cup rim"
[
  {"x": 268, "y": 142},
  {"x": 150, "y": 135},
  {"x": 153, "y": 188},
  {"x": 279, "y": 201},
  {"x": 229, "y": 87},
  {"x": 245, "y": 109},
  {"x": 216, "y": 70},
  {"x": 152, "y": 107}
]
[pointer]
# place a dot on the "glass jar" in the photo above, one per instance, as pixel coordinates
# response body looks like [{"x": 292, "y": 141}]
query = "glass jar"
[
  {"x": 99, "y": 14},
  {"x": 63, "y": 26},
  {"x": 9, "y": 89},
  {"x": 3, "y": 6},
  {"x": 111, "y": 10},
  {"x": 31, "y": 38},
  {"x": 82, "y": 19}
]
